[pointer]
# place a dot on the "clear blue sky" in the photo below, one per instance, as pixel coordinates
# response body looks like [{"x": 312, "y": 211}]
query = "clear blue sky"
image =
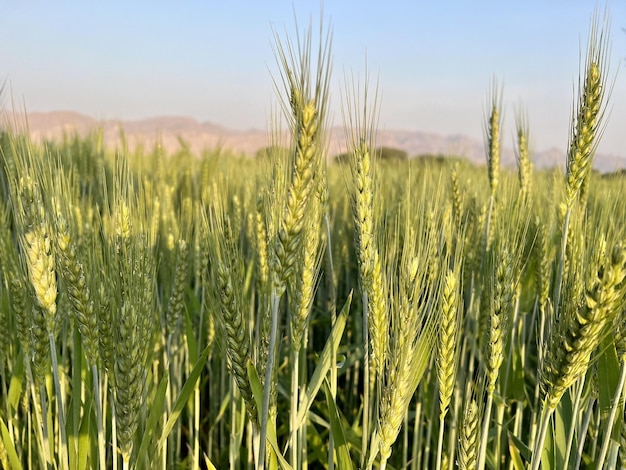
[{"x": 213, "y": 60}]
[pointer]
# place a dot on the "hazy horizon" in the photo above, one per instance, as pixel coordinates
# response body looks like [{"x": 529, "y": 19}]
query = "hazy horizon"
[{"x": 434, "y": 62}]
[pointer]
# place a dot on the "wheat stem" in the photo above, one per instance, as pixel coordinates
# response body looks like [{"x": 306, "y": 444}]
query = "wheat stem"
[
  {"x": 546, "y": 415},
  {"x": 573, "y": 429},
  {"x": 482, "y": 450},
  {"x": 99, "y": 418},
  {"x": 294, "y": 444},
  {"x": 330, "y": 276},
  {"x": 63, "y": 455},
  {"x": 440, "y": 442},
  {"x": 584, "y": 426}
]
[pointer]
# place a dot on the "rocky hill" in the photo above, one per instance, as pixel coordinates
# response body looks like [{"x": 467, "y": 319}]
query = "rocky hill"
[{"x": 169, "y": 130}]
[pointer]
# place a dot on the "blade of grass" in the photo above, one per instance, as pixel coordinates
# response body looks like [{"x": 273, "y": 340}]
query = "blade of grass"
[
  {"x": 85, "y": 439},
  {"x": 608, "y": 375},
  {"x": 257, "y": 392},
  {"x": 611, "y": 378},
  {"x": 156, "y": 409},
  {"x": 564, "y": 419},
  {"x": 9, "y": 447},
  {"x": 514, "y": 452},
  {"x": 548, "y": 458},
  {"x": 184, "y": 395},
  {"x": 17, "y": 382},
  {"x": 192, "y": 344},
  {"x": 520, "y": 448},
  {"x": 74, "y": 435},
  {"x": 339, "y": 438},
  {"x": 324, "y": 361},
  {"x": 209, "y": 464}
]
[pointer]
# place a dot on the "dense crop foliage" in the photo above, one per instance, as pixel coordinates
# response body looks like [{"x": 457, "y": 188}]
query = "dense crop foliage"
[{"x": 184, "y": 311}]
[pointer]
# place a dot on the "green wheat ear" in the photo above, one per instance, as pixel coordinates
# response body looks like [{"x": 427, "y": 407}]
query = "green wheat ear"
[
  {"x": 360, "y": 124},
  {"x": 469, "y": 437},
  {"x": 227, "y": 295},
  {"x": 305, "y": 112},
  {"x": 579, "y": 334},
  {"x": 522, "y": 154},
  {"x": 493, "y": 126},
  {"x": 588, "y": 117}
]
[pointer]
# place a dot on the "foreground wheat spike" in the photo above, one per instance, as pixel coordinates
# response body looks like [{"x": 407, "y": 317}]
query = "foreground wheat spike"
[
  {"x": 499, "y": 315},
  {"x": 73, "y": 274},
  {"x": 586, "y": 129},
  {"x": 129, "y": 379},
  {"x": 237, "y": 346},
  {"x": 128, "y": 253},
  {"x": 263, "y": 284},
  {"x": 17, "y": 283},
  {"x": 447, "y": 341},
  {"x": 133, "y": 332},
  {"x": 37, "y": 245},
  {"x": 412, "y": 336},
  {"x": 588, "y": 120},
  {"x": 359, "y": 127},
  {"x": 577, "y": 336},
  {"x": 303, "y": 294},
  {"x": 447, "y": 351},
  {"x": 306, "y": 114},
  {"x": 227, "y": 294},
  {"x": 84, "y": 313},
  {"x": 469, "y": 437},
  {"x": 497, "y": 319},
  {"x": 360, "y": 136},
  {"x": 301, "y": 189},
  {"x": 405, "y": 369},
  {"x": 370, "y": 269}
]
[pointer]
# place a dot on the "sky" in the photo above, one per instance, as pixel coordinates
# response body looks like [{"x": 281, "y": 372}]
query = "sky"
[{"x": 433, "y": 61}]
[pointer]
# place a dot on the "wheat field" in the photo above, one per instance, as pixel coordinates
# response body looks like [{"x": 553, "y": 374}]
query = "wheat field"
[{"x": 291, "y": 311}]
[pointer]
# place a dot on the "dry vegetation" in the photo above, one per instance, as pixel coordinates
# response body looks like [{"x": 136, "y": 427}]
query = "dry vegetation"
[{"x": 170, "y": 311}]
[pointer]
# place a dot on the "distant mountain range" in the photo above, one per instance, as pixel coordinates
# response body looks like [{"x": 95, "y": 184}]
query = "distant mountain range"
[{"x": 206, "y": 135}]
